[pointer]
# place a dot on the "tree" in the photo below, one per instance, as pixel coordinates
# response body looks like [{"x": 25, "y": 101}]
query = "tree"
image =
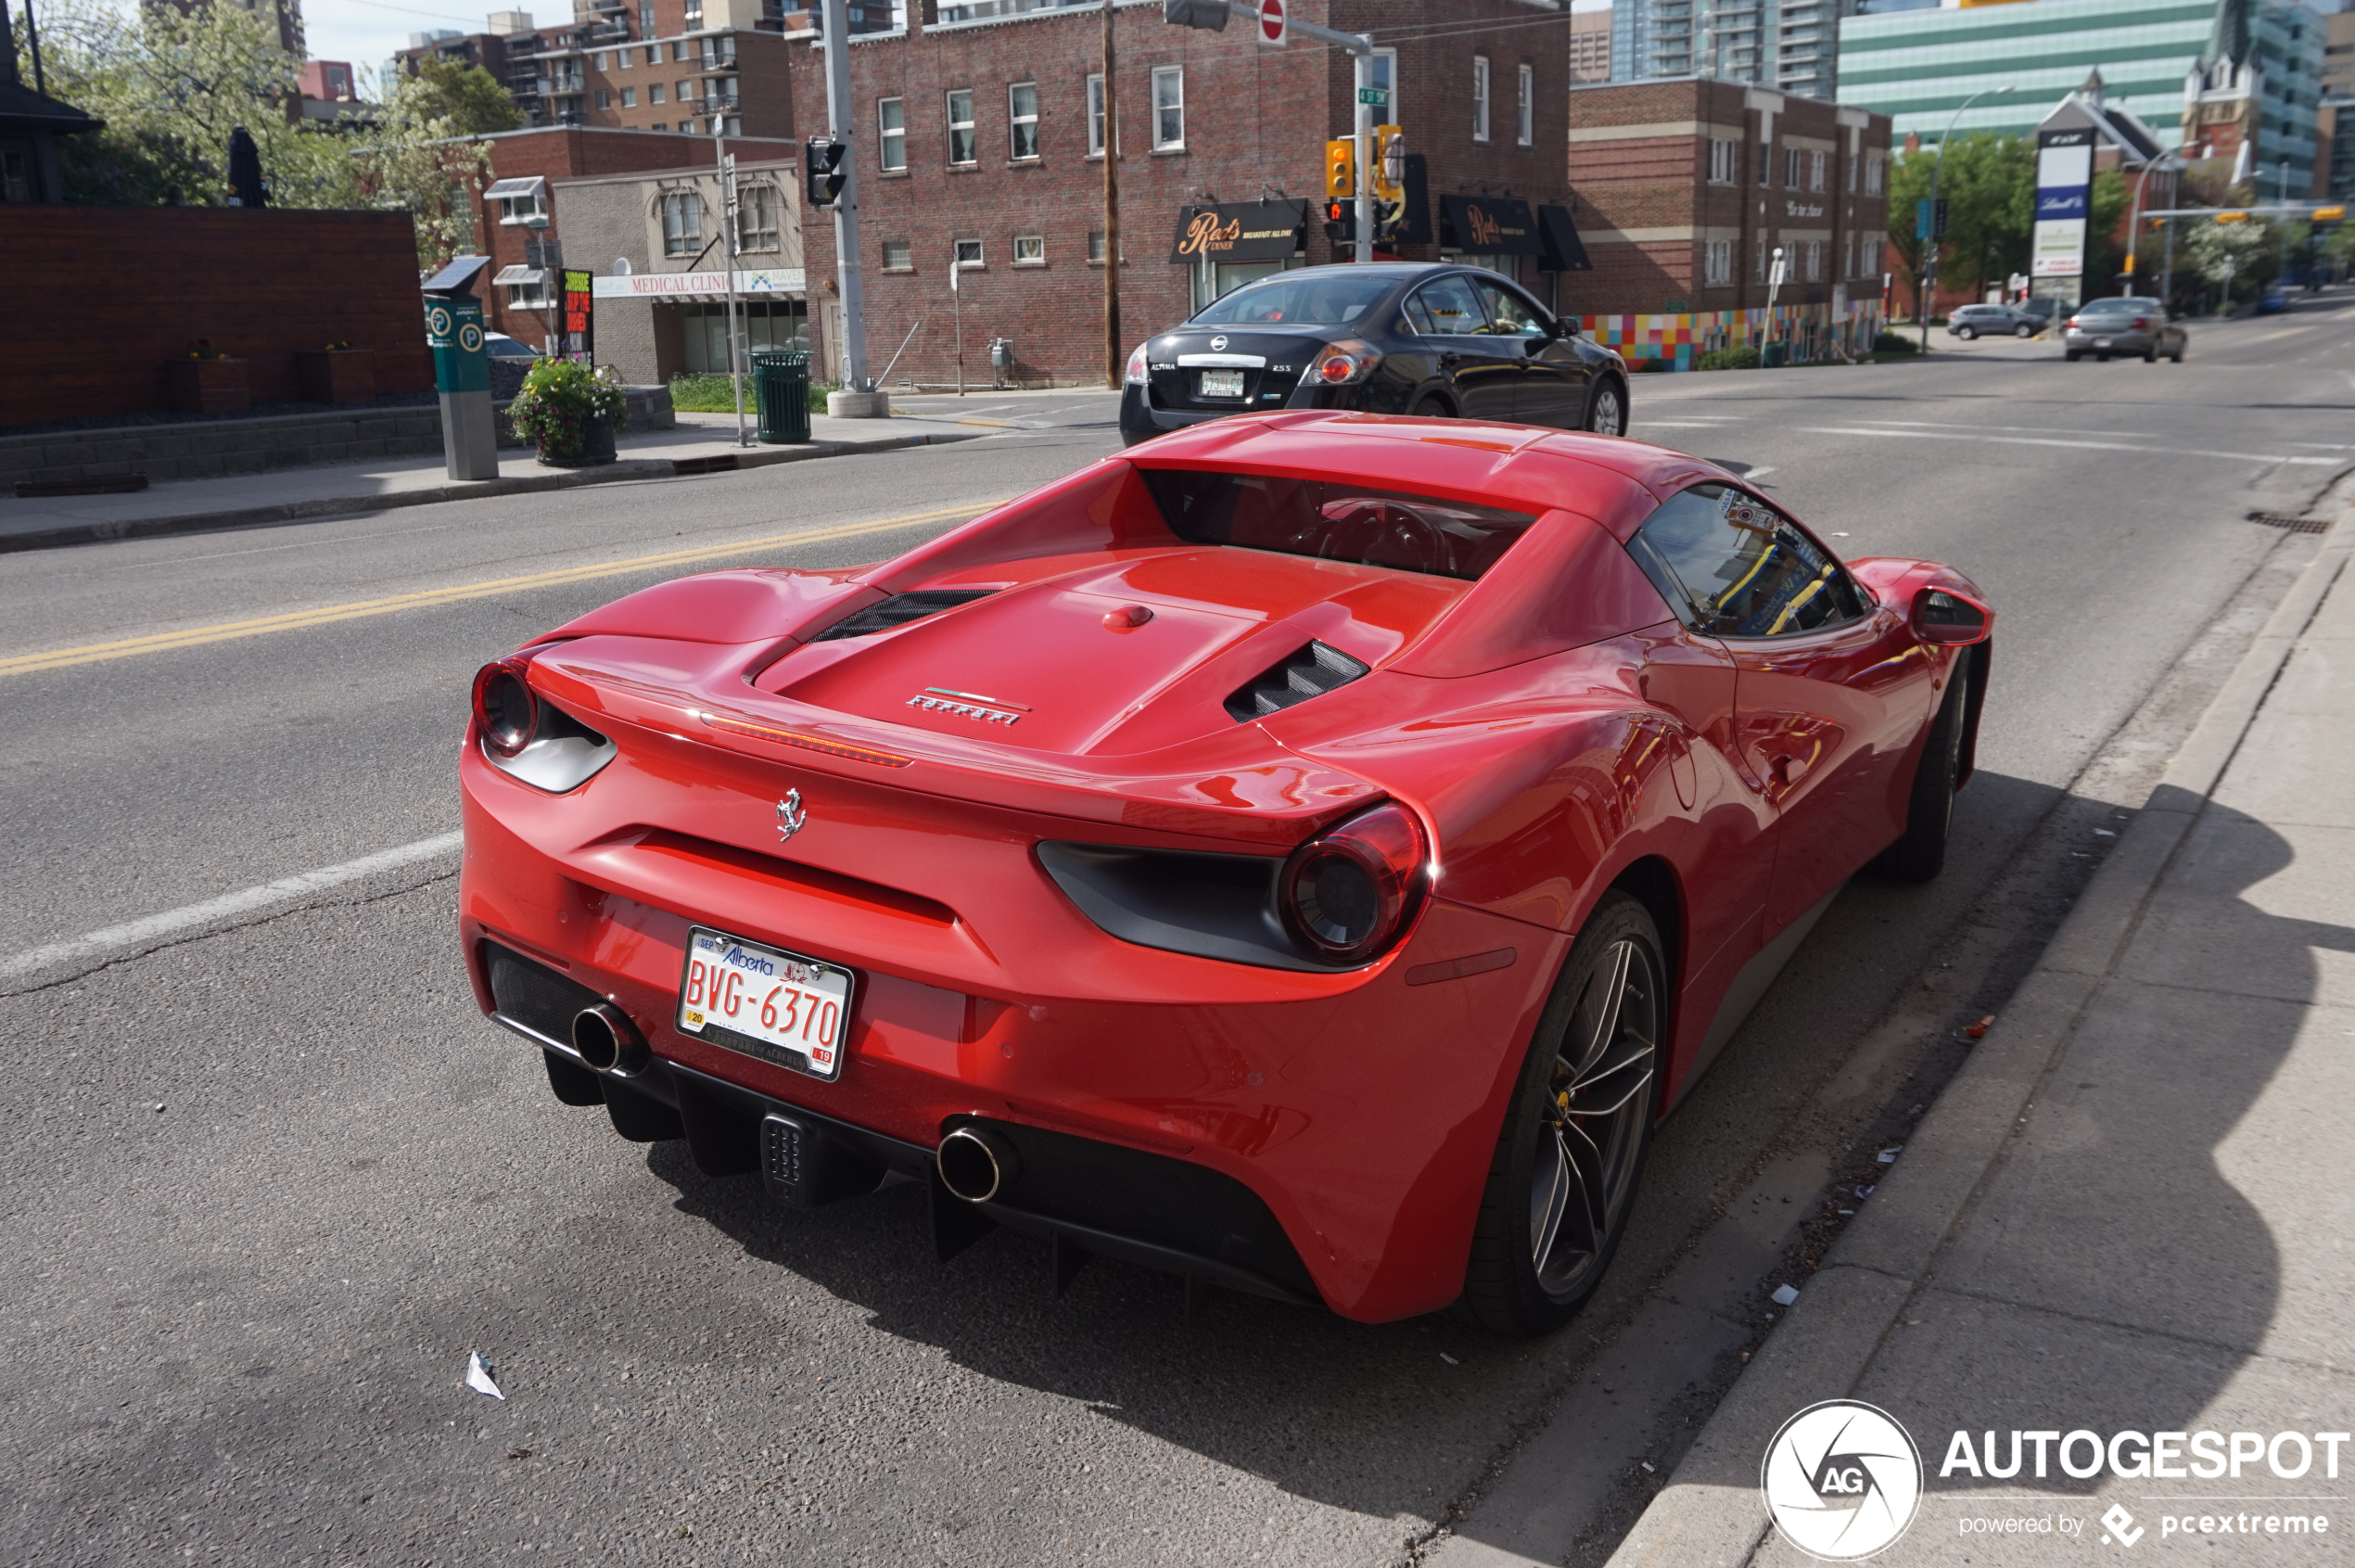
[
  {"x": 1989, "y": 185},
  {"x": 466, "y": 97},
  {"x": 414, "y": 157},
  {"x": 2242, "y": 257}
]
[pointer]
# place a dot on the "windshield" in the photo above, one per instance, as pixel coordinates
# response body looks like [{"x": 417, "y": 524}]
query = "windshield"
[
  {"x": 1307, "y": 301},
  {"x": 1334, "y": 520}
]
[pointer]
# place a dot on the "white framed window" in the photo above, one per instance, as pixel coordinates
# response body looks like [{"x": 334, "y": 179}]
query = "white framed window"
[
  {"x": 1724, "y": 161},
  {"x": 687, "y": 90},
  {"x": 1030, "y": 251},
  {"x": 1096, "y": 116},
  {"x": 1758, "y": 261},
  {"x": 960, "y": 126},
  {"x": 891, "y": 125},
  {"x": 535, "y": 294},
  {"x": 678, "y": 50},
  {"x": 1851, "y": 176},
  {"x": 1875, "y": 170},
  {"x": 605, "y": 99},
  {"x": 654, "y": 94},
  {"x": 1385, "y": 70},
  {"x": 1791, "y": 169},
  {"x": 1525, "y": 122},
  {"x": 735, "y": 125},
  {"x": 521, "y": 207},
  {"x": 1717, "y": 262},
  {"x": 1848, "y": 255},
  {"x": 1814, "y": 260},
  {"x": 1815, "y": 161},
  {"x": 681, "y": 224},
  {"x": 756, "y": 218},
  {"x": 1766, "y": 164},
  {"x": 1022, "y": 121},
  {"x": 1480, "y": 97},
  {"x": 1170, "y": 108},
  {"x": 658, "y": 125},
  {"x": 899, "y": 256},
  {"x": 601, "y": 61},
  {"x": 630, "y": 97},
  {"x": 969, "y": 255}
]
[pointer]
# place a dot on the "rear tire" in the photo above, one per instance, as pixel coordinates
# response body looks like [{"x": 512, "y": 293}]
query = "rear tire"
[
  {"x": 2024, "y": 330},
  {"x": 1562, "y": 1181},
  {"x": 1432, "y": 408},
  {"x": 2177, "y": 356},
  {"x": 1920, "y": 854},
  {"x": 1607, "y": 409},
  {"x": 1965, "y": 333},
  {"x": 2150, "y": 355},
  {"x": 2074, "y": 356}
]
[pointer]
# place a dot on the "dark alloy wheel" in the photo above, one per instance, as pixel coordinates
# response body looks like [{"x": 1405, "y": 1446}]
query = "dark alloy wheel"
[
  {"x": 1920, "y": 854},
  {"x": 1606, "y": 410},
  {"x": 1563, "y": 1178}
]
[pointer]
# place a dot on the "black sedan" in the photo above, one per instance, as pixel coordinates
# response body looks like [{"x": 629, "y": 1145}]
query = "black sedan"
[{"x": 1438, "y": 340}]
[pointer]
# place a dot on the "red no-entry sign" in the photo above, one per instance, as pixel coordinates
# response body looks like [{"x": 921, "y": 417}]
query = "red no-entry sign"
[{"x": 1271, "y": 22}]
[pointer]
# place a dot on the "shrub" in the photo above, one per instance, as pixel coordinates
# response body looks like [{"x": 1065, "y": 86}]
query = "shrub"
[
  {"x": 1743, "y": 357},
  {"x": 716, "y": 394},
  {"x": 558, "y": 398},
  {"x": 1890, "y": 343}
]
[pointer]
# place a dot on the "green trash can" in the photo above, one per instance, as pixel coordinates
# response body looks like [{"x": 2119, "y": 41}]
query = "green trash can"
[{"x": 781, "y": 390}]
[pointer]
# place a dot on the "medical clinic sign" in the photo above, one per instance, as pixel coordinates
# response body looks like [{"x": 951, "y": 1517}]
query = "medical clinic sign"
[
  {"x": 755, "y": 284},
  {"x": 2064, "y": 185}
]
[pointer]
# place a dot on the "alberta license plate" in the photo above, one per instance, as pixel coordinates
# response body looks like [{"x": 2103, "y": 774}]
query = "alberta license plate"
[
  {"x": 1222, "y": 383},
  {"x": 2101, "y": 342},
  {"x": 762, "y": 1002}
]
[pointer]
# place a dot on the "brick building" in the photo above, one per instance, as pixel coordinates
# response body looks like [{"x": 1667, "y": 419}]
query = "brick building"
[
  {"x": 1684, "y": 189},
  {"x": 978, "y": 134}
]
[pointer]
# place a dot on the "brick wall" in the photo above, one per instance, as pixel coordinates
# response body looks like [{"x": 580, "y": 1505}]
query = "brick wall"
[{"x": 260, "y": 286}]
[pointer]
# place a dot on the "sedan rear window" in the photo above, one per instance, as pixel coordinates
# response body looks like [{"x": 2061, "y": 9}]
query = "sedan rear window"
[
  {"x": 1335, "y": 521},
  {"x": 1317, "y": 302}
]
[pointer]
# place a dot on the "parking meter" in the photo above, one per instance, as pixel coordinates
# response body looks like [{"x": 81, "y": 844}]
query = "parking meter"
[{"x": 460, "y": 372}]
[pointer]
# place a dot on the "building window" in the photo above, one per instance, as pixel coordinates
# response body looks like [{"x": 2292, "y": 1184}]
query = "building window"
[
  {"x": 1725, "y": 158},
  {"x": 1095, "y": 117},
  {"x": 1385, "y": 74},
  {"x": 679, "y": 49},
  {"x": 1848, "y": 255},
  {"x": 756, "y": 218},
  {"x": 1030, "y": 251},
  {"x": 1851, "y": 176},
  {"x": 654, "y": 94},
  {"x": 1791, "y": 169},
  {"x": 899, "y": 256},
  {"x": 723, "y": 92},
  {"x": 681, "y": 224},
  {"x": 687, "y": 90},
  {"x": 1766, "y": 164},
  {"x": 968, "y": 255},
  {"x": 1814, "y": 260},
  {"x": 735, "y": 125},
  {"x": 532, "y": 296},
  {"x": 1170, "y": 108},
  {"x": 1815, "y": 170},
  {"x": 1525, "y": 127},
  {"x": 645, "y": 16},
  {"x": 601, "y": 61},
  {"x": 891, "y": 118},
  {"x": 659, "y": 126},
  {"x": 1758, "y": 261},
  {"x": 1022, "y": 121},
  {"x": 1095, "y": 247},
  {"x": 621, "y": 60},
  {"x": 1480, "y": 97},
  {"x": 960, "y": 127},
  {"x": 1717, "y": 262},
  {"x": 630, "y": 97},
  {"x": 604, "y": 99},
  {"x": 1873, "y": 172},
  {"x": 523, "y": 207}
]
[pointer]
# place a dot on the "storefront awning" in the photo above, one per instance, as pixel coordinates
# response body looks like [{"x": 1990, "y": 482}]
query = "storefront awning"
[
  {"x": 1489, "y": 225},
  {"x": 760, "y": 283},
  {"x": 1559, "y": 250},
  {"x": 1243, "y": 231}
]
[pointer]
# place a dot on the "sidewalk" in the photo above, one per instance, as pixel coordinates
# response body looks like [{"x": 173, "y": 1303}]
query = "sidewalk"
[
  {"x": 702, "y": 443},
  {"x": 2129, "y": 1215}
]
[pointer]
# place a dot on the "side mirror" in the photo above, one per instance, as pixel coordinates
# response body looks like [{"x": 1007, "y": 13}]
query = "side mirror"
[{"x": 1946, "y": 617}]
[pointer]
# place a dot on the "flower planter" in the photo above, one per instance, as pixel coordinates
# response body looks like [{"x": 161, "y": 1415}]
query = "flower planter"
[
  {"x": 206, "y": 386},
  {"x": 337, "y": 375},
  {"x": 596, "y": 446}
]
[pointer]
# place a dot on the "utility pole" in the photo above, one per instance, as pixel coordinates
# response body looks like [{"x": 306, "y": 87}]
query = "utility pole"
[
  {"x": 857, "y": 399},
  {"x": 728, "y": 218},
  {"x": 1364, "y": 79},
  {"x": 1115, "y": 361}
]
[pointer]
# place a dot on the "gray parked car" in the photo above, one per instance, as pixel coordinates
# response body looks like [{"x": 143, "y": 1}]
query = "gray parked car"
[
  {"x": 1994, "y": 321},
  {"x": 2123, "y": 326}
]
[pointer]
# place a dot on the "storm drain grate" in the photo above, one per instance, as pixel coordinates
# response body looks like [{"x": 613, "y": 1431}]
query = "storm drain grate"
[
  {"x": 2292, "y": 525},
  {"x": 724, "y": 463}
]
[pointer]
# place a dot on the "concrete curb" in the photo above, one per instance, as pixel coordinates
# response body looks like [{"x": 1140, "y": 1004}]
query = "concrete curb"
[
  {"x": 1709, "y": 1516},
  {"x": 102, "y": 530}
]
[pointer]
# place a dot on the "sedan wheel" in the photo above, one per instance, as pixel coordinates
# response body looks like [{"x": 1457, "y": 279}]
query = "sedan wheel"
[
  {"x": 1965, "y": 333},
  {"x": 1606, "y": 413},
  {"x": 2025, "y": 329},
  {"x": 1563, "y": 1178}
]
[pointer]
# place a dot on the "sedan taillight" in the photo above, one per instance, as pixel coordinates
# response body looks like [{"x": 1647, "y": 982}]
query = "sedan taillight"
[
  {"x": 1349, "y": 892},
  {"x": 2071, "y": 324},
  {"x": 1345, "y": 364},
  {"x": 506, "y": 714},
  {"x": 1138, "y": 375},
  {"x": 2141, "y": 322}
]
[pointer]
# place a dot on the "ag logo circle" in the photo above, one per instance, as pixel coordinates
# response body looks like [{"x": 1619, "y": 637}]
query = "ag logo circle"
[
  {"x": 470, "y": 339},
  {"x": 1841, "y": 1480}
]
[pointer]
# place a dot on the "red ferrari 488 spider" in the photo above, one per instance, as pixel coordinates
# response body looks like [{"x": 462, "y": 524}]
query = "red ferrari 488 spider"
[{"x": 1307, "y": 853}]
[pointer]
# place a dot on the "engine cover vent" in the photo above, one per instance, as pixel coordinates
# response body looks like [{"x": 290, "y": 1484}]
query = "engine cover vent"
[
  {"x": 1312, "y": 672},
  {"x": 898, "y": 610}
]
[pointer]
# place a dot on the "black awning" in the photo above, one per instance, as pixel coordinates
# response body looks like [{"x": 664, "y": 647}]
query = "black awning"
[
  {"x": 1242, "y": 231},
  {"x": 1414, "y": 223},
  {"x": 1559, "y": 249},
  {"x": 1489, "y": 225}
]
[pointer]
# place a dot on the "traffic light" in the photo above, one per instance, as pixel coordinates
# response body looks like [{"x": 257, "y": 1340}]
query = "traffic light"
[
  {"x": 1209, "y": 14},
  {"x": 1340, "y": 220},
  {"x": 1340, "y": 167},
  {"x": 825, "y": 158},
  {"x": 1390, "y": 163}
]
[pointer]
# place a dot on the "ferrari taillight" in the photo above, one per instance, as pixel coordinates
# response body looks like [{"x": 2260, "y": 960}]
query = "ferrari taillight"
[
  {"x": 1351, "y": 892},
  {"x": 506, "y": 713}
]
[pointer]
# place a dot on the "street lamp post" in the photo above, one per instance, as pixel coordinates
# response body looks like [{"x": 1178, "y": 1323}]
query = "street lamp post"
[
  {"x": 2134, "y": 234},
  {"x": 1929, "y": 241}
]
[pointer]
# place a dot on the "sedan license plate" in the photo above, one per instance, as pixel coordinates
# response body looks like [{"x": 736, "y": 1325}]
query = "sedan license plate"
[
  {"x": 1222, "y": 383},
  {"x": 2101, "y": 342},
  {"x": 762, "y": 1002}
]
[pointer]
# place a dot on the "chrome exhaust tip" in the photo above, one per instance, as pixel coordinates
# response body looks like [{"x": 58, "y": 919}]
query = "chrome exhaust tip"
[
  {"x": 605, "y": 1039},
  {"x": 978, "y": 1164}
]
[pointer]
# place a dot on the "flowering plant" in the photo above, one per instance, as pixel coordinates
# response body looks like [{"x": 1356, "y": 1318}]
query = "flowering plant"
[{"x": 558, "y": 400}]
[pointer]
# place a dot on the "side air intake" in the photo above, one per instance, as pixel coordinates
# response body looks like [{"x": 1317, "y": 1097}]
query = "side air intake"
[
  {"x": 898, "y": 610},
  {"x": 1312, "y": 672}
]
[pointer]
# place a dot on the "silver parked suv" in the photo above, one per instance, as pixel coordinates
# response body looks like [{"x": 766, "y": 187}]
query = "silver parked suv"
[
  {"x": 2123, "y": 326},
  {"x": 1991, "y": 321}
]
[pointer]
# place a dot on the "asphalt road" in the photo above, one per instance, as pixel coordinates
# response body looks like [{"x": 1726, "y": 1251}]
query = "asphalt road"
[{"x": 273, "y": 1179}]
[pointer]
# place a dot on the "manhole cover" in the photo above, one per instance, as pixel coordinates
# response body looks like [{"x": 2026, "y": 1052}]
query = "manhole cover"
[{"x": 2293, "y": 525}]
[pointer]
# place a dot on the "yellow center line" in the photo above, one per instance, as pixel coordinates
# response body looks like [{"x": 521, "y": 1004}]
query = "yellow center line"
[{"x": 98, "y": 653}]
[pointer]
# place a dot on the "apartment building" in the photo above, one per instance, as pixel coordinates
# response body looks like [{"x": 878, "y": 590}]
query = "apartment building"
[{"x": 1785, "y": 46}]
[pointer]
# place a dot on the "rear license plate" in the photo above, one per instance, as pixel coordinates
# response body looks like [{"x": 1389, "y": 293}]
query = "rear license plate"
[
  {"x": 759, "y": 1002},
  {"x": 2101, "y": 342},
  {"x": 1222, "y": 383}
]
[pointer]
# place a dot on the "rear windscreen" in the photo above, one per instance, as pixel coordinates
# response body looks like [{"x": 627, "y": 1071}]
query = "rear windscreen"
[{"x": 1335, "y": 521}]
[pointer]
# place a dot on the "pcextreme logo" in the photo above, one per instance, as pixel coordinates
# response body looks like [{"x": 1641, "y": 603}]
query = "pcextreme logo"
[{"x": 1841, "y": 1480}]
